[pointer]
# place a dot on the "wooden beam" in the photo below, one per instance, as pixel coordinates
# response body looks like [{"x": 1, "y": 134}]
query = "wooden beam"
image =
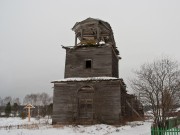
[
  {"x": 75, "y": 40},
  {"x": 81, "y": 34},
  {"x": 98, "y": 35}
]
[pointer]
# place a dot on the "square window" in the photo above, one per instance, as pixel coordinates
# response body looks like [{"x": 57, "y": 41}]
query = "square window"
[{"x": 88, "y": 63}]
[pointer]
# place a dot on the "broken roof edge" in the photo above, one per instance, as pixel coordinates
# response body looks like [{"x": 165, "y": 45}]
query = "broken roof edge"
[
  {"x": 85, "y": 45},
  {"x": 90, "y": 19},
  {"x": 79, "y": 79},
  {"x": 89, "y": 45}
]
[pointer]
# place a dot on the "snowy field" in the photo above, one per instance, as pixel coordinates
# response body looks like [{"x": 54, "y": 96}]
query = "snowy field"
[{"x": 44, "y": 127}]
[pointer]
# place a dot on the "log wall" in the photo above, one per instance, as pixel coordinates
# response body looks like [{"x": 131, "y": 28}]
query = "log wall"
[
  {"x": 104, "y": 62},
  {"x": 106, "y": 101}
]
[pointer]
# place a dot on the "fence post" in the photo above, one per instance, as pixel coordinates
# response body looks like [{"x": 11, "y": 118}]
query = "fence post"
[{"x": 152, "y": 130}]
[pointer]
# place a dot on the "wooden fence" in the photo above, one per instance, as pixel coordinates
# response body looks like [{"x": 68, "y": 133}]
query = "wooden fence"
[{"x": 23, "y": 126}]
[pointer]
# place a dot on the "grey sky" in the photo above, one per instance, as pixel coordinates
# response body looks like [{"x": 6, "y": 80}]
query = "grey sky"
[{"x": 32, "y": 31}]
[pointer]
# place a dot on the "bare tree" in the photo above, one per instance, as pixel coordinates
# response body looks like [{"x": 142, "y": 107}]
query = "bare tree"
[
  {"x": 46, "y": 101},
  {"x": 16, "y": 100},
  {"x": 27, "y": 99},
  {"x": 38, "y": 99},
  {"x": 43, "y": 102},
  {"x": 7, "y": 100},
  {"x": 32, "y": 99},
  {"x": 159, "y": 83},
  {"x": 45, "y": 98},
  {"x": 1, "y": 101}
]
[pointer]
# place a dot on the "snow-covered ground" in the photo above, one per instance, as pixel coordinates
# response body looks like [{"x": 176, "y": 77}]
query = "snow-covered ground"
[
  {"x": 11, "y": 121},
  {"x": 132, "y": 128}
]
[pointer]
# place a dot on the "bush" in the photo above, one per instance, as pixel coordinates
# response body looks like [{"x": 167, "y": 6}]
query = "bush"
[{"x": 23, "y": 115}]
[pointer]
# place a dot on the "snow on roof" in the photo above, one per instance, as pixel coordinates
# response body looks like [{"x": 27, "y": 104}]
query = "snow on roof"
[{"x": 86, "y": 79}]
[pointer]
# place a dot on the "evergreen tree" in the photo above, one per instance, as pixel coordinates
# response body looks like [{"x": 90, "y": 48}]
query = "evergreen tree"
[
  {"x": 15, "y": 108},
  {"x": 50, "y": 109},
  {"x": 8, "y": 109}
]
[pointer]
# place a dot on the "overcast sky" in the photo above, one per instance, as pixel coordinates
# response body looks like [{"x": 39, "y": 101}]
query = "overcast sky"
[{"x": 32, "y": 32}]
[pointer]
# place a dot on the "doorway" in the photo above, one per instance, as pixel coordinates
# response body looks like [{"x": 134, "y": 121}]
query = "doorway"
[{"x": 86, "y": 103}]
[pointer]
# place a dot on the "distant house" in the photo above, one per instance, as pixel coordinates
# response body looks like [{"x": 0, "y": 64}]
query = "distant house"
[{"x": 92, "y": 91}]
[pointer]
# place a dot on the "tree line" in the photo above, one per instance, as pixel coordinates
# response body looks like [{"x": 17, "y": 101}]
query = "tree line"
[
  {"x": 35, "y": 99},
  {"x": 14, "y": 107}
]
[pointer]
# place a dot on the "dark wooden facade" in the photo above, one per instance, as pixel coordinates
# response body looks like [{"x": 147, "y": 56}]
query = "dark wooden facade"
[
  {"x": 94, "y": 101},
  {"x": 104, "y": 61},
  {"x": 100, "y": 95}
]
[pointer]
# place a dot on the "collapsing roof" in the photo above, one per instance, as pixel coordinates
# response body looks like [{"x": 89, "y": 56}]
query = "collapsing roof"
[{"x": 93, "y": 31}]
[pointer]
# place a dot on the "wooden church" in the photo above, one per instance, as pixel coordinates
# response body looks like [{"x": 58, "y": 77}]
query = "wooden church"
[{"x": 91, "y": 91}]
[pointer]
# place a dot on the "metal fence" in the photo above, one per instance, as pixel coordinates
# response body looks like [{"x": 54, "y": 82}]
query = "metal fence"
[
  {"x": 172, "y": 128},
  {"x": 165, "y": 131}
]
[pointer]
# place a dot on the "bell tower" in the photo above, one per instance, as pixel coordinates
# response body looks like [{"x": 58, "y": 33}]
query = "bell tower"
[
  {"x": 94, "y": 53},
  {"x": 91, "y": 91}
]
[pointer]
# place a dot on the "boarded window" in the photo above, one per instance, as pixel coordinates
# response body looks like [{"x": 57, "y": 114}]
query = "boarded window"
[{"x": 88, "y": 63}]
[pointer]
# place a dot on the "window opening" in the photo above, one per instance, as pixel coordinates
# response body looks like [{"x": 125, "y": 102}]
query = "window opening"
[{"x": 88, "y": 63}]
